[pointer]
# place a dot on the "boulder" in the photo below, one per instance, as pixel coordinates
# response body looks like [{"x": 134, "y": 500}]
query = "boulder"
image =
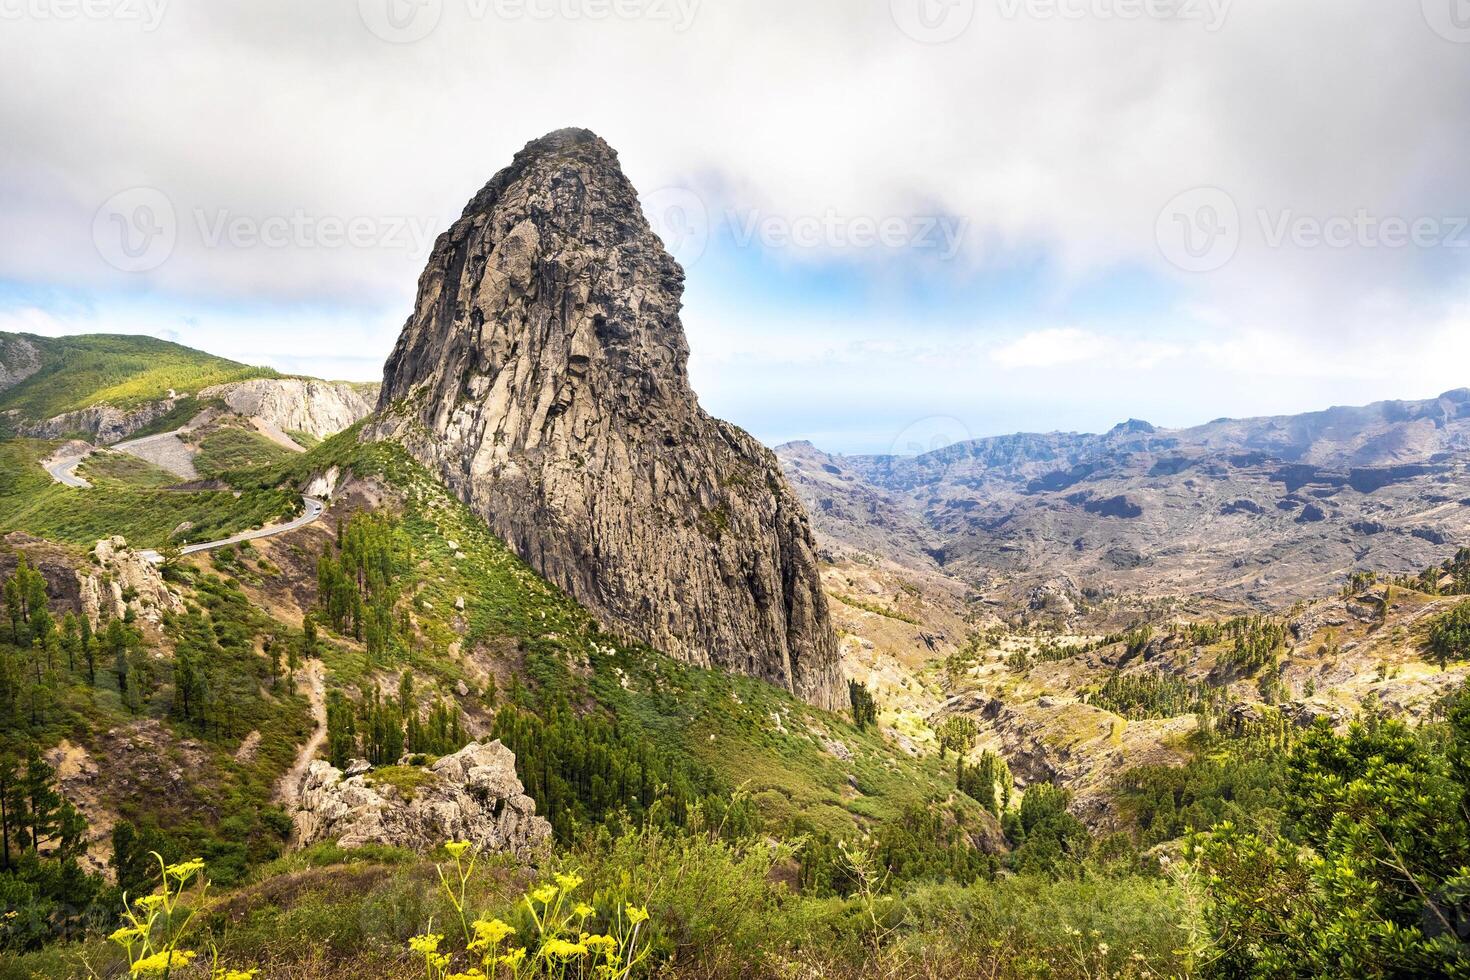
[{"x": 472, "y": 795}]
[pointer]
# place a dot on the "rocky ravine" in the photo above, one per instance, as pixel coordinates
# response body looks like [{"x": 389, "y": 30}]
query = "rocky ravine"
[{"x": 543, "y": 375}]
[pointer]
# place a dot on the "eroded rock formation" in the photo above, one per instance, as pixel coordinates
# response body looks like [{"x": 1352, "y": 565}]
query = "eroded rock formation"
[
  {"x": 543, "y": 375},
  {"x": 318, "y": 408},
  {"x": 121, "y": 578},
  {"x": 472, "y": 795}
]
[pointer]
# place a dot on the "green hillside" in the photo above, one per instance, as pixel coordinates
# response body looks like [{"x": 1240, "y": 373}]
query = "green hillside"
[
  {"x": 127, "y": 499},
  {"x": 762, "y": 837},
  {"x": 122, "y": 371}
]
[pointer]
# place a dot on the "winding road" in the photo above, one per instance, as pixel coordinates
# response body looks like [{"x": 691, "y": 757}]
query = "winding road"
[
  {"x": 63, "y": 470},
  {"x": 314, "y": 510}
]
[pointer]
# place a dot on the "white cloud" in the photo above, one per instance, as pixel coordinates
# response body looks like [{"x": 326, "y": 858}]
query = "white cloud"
[
  {"x": 1049, "y": 348},
  {"x": 1058, "y": 142}
]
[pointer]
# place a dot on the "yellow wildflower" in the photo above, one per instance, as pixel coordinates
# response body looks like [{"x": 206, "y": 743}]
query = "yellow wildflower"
[
  {"x": 235, "y": 974},
  {"x": 471, "y": 974},
  {"x": 637, "y": 915},
  {"x": 569, "y": 882},
  {"x": 583, "y": 909},
  {"x": 514, "y": 957},
  {"x": 175, "y": 959},
  {"x": 184, "y": 870},
  {"x": 126, "y": 934},
  {"x": 600, "y": 944},
  {"x": 562, "y": 950},
  {"x": 492, "y": 932},
  {"x": 426, "y": 943},
  {"x": 437, "y": 961},
  {"x": 546, "y": 894},
  {"x": 150, "y": 902},
  {"x": 456, "y": 848}
]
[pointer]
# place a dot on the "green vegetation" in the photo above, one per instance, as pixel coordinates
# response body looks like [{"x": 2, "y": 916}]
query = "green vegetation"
[
  {"x": 122, "y": 371},
  {"x": 864, "y": 708},
  {"x": 875, "y": 609},
  {"x": 116, "y": 467},
  {"x": 762, "y": 837},
  {"x": 1154, "y": 695},
  {"x": 31, "y": 501},
  {"x": 1449, "y": 636},
  {"x": 104, "y": 689},
  {"x": 228, "y": 448},
  {"x": 1370, "y": 872}
]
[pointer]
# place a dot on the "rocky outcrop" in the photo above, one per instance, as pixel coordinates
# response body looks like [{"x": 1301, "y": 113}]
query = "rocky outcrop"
[
  {"x": 120, "y": 579},
  {"x": 99, "y": 424},
  {"x": 318, "y": 408},
  {"x": 19, "y": 359},
  {"x": 543, "y": 375},
  {"x": 472, "y": 795}
]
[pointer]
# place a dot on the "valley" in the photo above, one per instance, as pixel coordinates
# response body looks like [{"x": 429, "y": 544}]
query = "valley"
[{"x": 1143, "y": 703}]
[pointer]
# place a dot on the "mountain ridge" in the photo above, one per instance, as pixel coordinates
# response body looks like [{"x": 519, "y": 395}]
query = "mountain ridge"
[{"x": 1257, "y": 509}]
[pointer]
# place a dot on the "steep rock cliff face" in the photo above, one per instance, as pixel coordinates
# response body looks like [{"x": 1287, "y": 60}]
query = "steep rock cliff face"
[
  {"x": 318, "y": 408},
  {"x": 100, "y": 424},
  {"x": 19, "y": 359},
  {"x": 543, "y": 375}
]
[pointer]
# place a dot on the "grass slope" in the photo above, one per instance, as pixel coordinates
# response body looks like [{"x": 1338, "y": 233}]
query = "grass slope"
[
  {"x": 122, "y": 371},
  {"x": 31, "y": 501},
  {"x": 229, "y": 448},
  {"x": 751, "y": 733}
]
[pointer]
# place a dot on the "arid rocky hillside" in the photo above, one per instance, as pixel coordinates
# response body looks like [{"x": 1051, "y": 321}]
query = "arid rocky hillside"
[
  {"x": 543, "y": 376},
  {"x": 1262, "y": 510}
]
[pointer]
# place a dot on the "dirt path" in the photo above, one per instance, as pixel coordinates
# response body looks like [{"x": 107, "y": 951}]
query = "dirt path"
[{"x": 314, "y": 674}]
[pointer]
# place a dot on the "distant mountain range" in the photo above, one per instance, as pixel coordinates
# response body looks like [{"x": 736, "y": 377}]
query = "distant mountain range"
[{"x": 1261, "y": 509}]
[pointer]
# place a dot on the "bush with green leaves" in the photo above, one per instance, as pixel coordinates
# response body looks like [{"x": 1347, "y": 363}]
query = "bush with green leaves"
[{"x": 1370, "y": 875}]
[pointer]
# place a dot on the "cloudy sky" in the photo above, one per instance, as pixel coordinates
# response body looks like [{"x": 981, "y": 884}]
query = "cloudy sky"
[{"x": 904, "y": 221}]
